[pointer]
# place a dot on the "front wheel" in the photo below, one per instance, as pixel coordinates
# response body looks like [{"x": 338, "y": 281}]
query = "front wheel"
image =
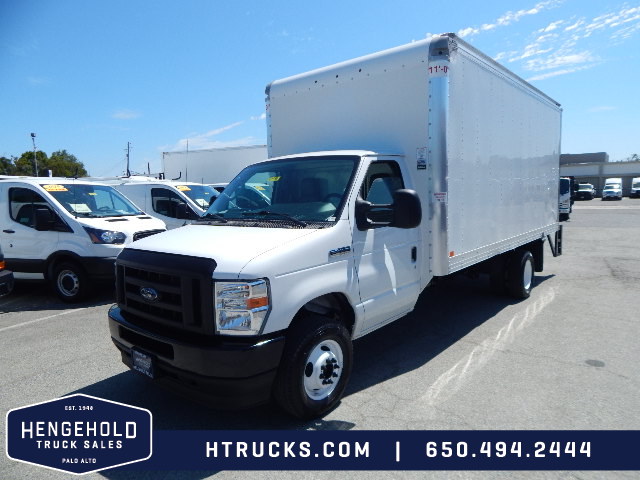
[
  {"x": 315, "y": 367},
  {"x": 70, "y": 282}
]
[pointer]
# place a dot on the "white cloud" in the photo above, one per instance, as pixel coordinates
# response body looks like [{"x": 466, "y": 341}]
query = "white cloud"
[
  {"x": 35, "y": 81},
  {"x": 557, "y": 73},
  {"x": 558, "y": 60},
  {"x": 508, "y": 18},
  {"x": 199, "y": 141},
  {"x": 125, "y": 114},
  {"x": 262, "y": 116},
  {"x": 603, "y": 108},
  {"x": 568, "y": 46}
]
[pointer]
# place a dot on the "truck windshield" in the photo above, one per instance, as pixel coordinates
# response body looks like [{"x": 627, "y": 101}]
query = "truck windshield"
[
  {"x": 202, "y": 195},
  {"x": 297, "y": 191},
  {"x": 91, "y": 200},
  {"x": 565, "y": 185}
]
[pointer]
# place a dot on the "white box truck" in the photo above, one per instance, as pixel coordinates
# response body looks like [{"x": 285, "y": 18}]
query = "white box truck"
[
  {"x": 212, "y": 165},
  {"x": 387, "y": 172},
  {"x": 67, "y": 231},
  {"x": 612, "y": 189}
]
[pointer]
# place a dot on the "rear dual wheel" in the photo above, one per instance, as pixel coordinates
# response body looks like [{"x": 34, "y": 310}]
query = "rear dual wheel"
[
  {"x": 519, "y": 272},
  {"x": 513, "y": 274}
]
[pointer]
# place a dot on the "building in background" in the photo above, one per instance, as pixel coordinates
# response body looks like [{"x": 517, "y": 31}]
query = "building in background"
[{"x": 595, "y": 168}]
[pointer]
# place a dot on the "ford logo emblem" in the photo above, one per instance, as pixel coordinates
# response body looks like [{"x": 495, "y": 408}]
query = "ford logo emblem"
[{"x": 149, "y": 294}]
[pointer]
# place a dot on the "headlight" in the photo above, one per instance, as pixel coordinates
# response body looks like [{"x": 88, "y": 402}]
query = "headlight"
[
  {"x": 105, "y": 236},
  {"x": 241, "y": 307}
]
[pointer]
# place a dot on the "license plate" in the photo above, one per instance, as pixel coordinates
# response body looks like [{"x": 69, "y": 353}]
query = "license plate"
[{"x": 143, "y": 363}]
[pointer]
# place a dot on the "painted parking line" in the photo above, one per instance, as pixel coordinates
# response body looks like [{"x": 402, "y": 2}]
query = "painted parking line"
[{"x": 38, "y": 320}]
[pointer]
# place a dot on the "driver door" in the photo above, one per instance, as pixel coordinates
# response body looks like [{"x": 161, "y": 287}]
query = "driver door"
[{"x": 386, "y": 257}]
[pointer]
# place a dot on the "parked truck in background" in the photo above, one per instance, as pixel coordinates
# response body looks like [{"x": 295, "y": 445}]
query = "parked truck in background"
[
  {"x": 612, "y": 189},
  {"x": 211, "y": 166},
  {"x": 386, "y": 173},
  {"x": 635, "y": 188},
  {"x": 564, "y": 199}
]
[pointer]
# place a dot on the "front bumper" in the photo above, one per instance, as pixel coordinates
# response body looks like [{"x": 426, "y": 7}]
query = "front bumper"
[
  {"x": 100, "y": 268},
  {"x": 222, "y": 371}
]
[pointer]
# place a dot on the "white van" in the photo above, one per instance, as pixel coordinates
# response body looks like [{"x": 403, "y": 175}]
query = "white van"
[
  {"x": 69, "y": 231},
  {"x": 635, "y": 188},
  {"x": 175, "y": 203}
]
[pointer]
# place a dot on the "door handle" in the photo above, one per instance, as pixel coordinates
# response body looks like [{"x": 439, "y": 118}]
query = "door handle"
[
  {"x": 414, "y": 254},
  {"x": 9, "y": 231}
]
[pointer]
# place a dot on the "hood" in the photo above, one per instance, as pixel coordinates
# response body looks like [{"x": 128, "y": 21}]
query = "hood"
[{"x": 231, "y": 247}]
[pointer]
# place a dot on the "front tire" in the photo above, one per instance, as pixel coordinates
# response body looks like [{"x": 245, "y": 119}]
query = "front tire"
[
  {"x": 520, "y": 274},
  {"x": 316, "y": 365},
  {"x": 70, "y": 282}
]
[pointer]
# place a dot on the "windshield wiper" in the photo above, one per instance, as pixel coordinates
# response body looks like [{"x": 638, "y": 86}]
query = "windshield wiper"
[
  {"x": 286, "y": 216},
  {"x": 213, "y": 216}
]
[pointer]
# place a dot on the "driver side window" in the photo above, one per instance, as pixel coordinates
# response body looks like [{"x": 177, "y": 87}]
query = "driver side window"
[
  {"x": 165, "y": 202},
  {"x": 23, "y": 204},
  {"x": 383, "y": 178}
]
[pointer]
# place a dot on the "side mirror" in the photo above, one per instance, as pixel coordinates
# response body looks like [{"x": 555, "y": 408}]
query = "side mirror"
[
  {"x": 404, "y": 212},
  {"x": 407, "y": 209},
  {"x": 184, "y": 212},
  {"x": 45, "y": 219}
]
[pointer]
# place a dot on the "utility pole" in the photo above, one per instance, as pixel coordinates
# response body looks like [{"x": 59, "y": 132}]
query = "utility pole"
[
  {"x": 35, "y": 157},
  {"x": 128, "y": 152}
]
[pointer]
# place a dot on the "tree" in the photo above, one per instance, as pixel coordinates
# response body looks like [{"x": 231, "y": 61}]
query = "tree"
[
  {"x": 24, "y": 165},
  {"x": 61, "y": 163},
  {"x": 64, "y": 164},
  {"x": 634, "y": 158},
  {"x": 6, "y": 166}
]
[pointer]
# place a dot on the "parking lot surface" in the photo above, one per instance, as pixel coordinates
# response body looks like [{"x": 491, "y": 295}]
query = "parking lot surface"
[{"x": 566, "y": 358}]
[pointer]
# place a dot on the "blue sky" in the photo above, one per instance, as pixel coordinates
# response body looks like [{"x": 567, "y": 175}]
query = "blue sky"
[{"x": 90, "y": 76}]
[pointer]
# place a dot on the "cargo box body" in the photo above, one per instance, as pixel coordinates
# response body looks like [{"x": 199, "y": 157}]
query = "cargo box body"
[{"x": 481, "y": 144}]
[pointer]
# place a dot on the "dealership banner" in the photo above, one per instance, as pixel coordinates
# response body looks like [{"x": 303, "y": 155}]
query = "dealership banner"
[
  {"x": 81, "y": 434},
  {"x": 392, "y": 450}
]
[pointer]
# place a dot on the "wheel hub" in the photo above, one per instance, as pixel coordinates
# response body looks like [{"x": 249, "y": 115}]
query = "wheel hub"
[
  {"x": 322, "y": 370},
  {"x": 68, "y": 283}
]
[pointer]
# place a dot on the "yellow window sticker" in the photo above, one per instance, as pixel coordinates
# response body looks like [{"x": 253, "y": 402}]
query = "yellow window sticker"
[
  {"x": 183, "y": 188},
  {"x": 55, "y": 188},
  {"x": 273, "y": 179}
]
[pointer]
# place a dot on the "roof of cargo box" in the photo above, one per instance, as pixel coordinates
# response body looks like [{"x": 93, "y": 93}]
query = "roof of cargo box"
[{"x": 391, "y": 58}]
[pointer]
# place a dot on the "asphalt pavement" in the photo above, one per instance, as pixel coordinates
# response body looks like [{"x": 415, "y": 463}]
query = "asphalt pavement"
[{"x": 465, "y": 359}]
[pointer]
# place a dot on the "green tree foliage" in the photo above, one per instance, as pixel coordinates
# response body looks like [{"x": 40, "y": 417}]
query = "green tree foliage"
[
  {"x": 6, "y": 166},
  {"x": 64, "y": 164},
  {"x": 24, "y": 165},
  {"x": 61, "y": 163}
]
